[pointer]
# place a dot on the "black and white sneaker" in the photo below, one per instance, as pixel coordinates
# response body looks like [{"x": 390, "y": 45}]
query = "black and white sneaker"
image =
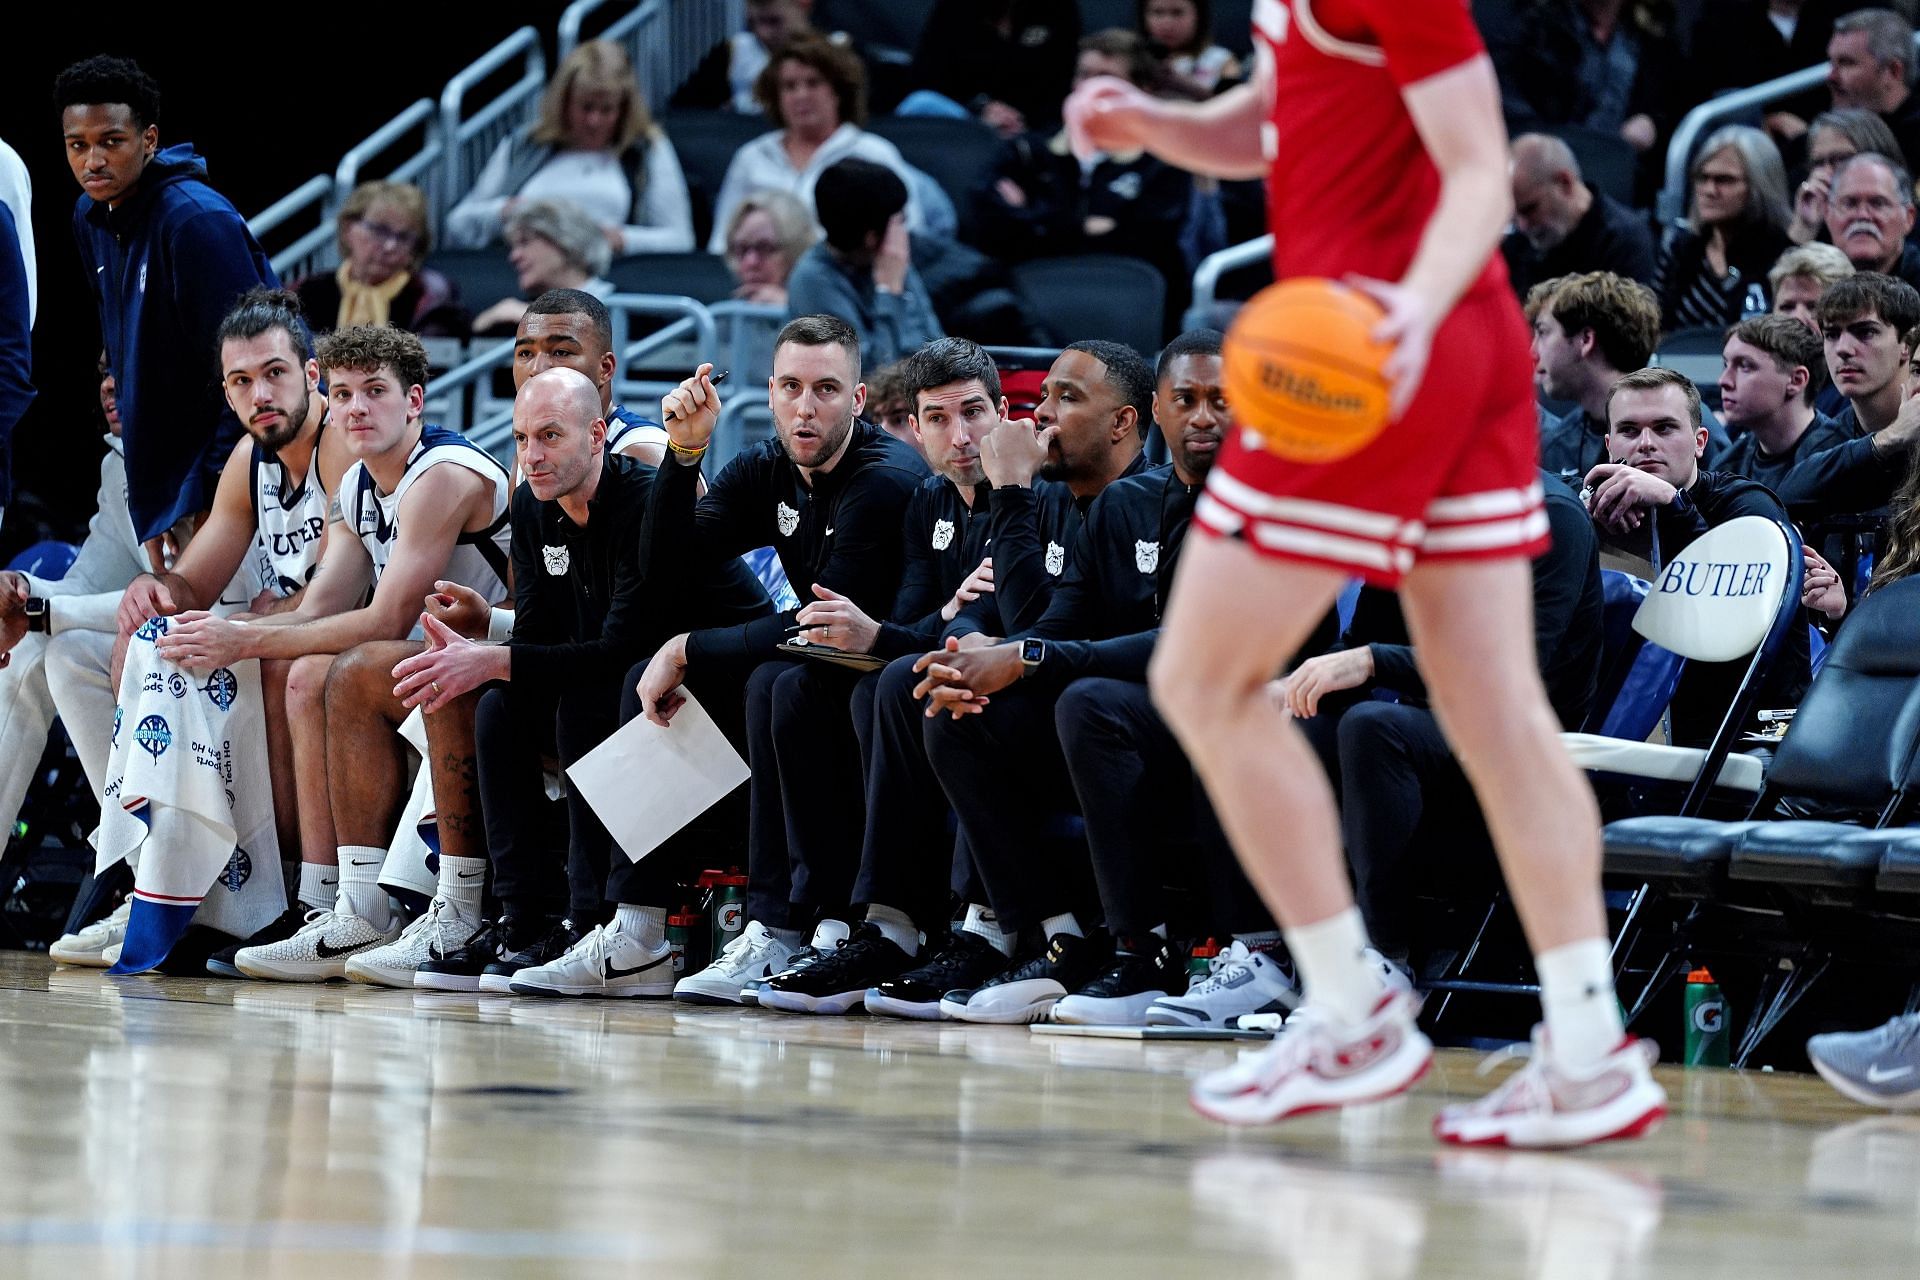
[
  {"x": 220, "y": 963},
  {"x": 966, "y": 961},
  {"x": 828, "y": 937},
  {"x": 1121, "y": 996},
  {"x": 1027, "y": 992},
  {"x": 460, "y": 969},
  {"x": 497, "y": 977},
  {"x": 837, "y": 982}
]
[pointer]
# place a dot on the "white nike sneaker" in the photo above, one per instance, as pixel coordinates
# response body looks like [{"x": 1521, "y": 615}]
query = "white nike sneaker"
[
  {"x": 1238, "y": 982},
  {"x": 88, "y": 946},
  {"x": 604, "y": 963},
  {"x": 1545, "y": 1104},
  {"x": 1316, "y": 1063},
  {"x": 316, "y": 953},
  {"x": 433, "y": 935},
  {"x": 754, "y": 956}
]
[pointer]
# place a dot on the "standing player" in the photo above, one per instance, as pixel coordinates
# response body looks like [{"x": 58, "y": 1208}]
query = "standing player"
[{"x": 1386, "y": 113}]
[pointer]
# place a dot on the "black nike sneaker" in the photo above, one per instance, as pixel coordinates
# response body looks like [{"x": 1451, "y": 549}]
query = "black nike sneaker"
[
  {"x": 220, "y": 963},
  {"x": 1143, "y": 971},
  {"x": 966, "y": 961},
  {"x": 1028, "y": 991},
  {"x": 460, "y": 969},
  {"x": 497, "y": 976},
  {"x": 837, "y": 982}
]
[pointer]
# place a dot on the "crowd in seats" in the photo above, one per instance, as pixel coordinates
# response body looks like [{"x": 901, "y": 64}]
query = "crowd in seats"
[{"x": 384, "y": 239}]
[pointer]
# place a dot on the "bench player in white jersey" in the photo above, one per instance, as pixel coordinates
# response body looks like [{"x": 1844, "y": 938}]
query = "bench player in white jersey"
[{"x": 416, "y": 505}]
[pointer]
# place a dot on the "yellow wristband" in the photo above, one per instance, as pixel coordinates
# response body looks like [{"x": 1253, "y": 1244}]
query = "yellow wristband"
[{"x": 681, "y": 450}]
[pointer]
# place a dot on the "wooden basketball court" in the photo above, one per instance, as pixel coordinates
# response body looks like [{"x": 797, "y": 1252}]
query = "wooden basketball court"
[{"x": 170, "y": 1127}]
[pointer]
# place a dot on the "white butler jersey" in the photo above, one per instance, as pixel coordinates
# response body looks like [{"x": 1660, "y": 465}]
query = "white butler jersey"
[
  {"x": 480, "y": 560},
  {"x": 289, "y": 521}
]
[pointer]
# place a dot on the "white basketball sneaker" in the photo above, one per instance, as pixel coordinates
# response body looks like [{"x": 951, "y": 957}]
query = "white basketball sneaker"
[
  {"x": 1238, "y": 982},
  {"x": 754, "y": 956},
  {"x": 604, "y": 963},
  {"x": 1545, "y": 1104},
  {"x": 1315, "y": 1063},
  {"x": 316, "y": 953},
  {"x": 88, "y": 947},
  {"x": 433, "y": 935}
]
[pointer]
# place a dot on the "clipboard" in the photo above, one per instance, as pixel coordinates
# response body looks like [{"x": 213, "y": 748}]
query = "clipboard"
[{"x": 798, "y": 648}]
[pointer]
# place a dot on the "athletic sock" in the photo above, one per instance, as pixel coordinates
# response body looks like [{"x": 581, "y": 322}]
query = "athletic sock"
[
  {"x": 896, "y": 926},
  {"x": 1334, "y": 971},
  {"x": 463, "y": 885},
  {"x": 360, "y": 893},
  {"x": 645, "y": 925},
  {"x": 981, "y": 920},
  {"x": 1062, "y": 923},
  {"x": 1576, "y": 995},
  {"x": 319, "y": 886}
]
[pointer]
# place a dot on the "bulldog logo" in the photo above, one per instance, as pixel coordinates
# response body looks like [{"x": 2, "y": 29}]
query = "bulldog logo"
[
  {"x": 1056, "y": 559},
  {"x": 1146, "y": 556},
  {"x": 786, "y": 518},
  {"x": 942, "y": 534},
  {"x": 557, "y": 559}
]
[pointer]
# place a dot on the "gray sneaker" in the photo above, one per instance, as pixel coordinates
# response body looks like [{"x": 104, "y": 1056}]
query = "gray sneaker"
[{"x": 1880, "y": 1068}]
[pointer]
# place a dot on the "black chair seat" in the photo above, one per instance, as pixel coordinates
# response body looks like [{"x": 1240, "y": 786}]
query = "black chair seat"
[
  {"x": 1829, "y": 855},
  {"x": 1900, "y": 860},
  {"x": 1662, "y": 847}
]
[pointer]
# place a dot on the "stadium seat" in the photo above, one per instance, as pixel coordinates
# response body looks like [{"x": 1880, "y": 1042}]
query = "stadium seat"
[
  {"x": 484, "y": 276},
  {"x": 705, "y": 142},
  {"x": 701, "y": 276},
  {"x": 1607, "y": 161},
  {"x": 1695, "y": 353},
  {"x": 1899, "y": 861},
  {"x": 1096, "y": 295},
  {"x": 958, "y": 154}
]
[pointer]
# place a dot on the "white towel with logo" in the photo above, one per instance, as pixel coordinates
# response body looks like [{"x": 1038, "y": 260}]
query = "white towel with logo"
[{"x": 188, "y": 801}]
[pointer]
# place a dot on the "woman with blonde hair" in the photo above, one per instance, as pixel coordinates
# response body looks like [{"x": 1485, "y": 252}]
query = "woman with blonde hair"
[
  {"x": 765, "y": 236},
  {"x": 384, "y": 241},
  {"x": 1714, "y": 269},
  {"x": 596, "y": 146}
]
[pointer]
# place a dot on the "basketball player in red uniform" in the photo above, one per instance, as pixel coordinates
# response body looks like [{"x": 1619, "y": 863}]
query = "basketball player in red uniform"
[{"x": 1377, "y": 126}]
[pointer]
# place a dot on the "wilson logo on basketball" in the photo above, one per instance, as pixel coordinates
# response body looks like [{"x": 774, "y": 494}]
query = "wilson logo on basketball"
[{"x": 1307, "y": 390}]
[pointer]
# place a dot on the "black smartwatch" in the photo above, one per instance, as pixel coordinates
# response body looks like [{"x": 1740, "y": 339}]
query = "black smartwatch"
[
  {"x": 37, "y": 617},
  {"x": 1032, "y": 654}
]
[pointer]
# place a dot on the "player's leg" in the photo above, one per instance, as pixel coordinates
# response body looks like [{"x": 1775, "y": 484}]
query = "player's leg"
[
  {"x": 306, "y": 711},
  {"x": 286, "y": 795},
  {"x": 1471, "y": 623}
]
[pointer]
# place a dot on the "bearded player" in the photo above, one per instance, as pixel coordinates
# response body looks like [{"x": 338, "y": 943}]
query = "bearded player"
[{"x": 1377, "y": 126}]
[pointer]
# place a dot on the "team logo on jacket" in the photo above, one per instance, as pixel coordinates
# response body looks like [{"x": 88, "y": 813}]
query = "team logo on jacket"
[
  {"x": 1146, "y": 556},
  {"x": 153, "y": 736},
  {"x": 942, "y": 534},
  {"x": 786, "y": 518},
  {"x": 557, "y": 558},
  {"x": 221, "y": 688},
  {"x": 1056, "y": 559}
]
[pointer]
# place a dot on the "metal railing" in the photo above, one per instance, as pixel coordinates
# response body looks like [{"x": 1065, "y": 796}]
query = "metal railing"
[
  {"x": 311, "y": 247},
  {"x": 1206, "y": 280},
  {"x": 422, "y": 167},
  {"x": 469, "y": 139},
  {"x": 664, "y": 41}
]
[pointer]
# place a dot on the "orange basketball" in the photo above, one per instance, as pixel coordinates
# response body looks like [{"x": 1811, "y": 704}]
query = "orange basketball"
[{"x": 1303, "y": 371}]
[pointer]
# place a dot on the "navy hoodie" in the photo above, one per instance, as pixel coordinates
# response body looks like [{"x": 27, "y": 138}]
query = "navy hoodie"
[{"x": 166, "y": 267}]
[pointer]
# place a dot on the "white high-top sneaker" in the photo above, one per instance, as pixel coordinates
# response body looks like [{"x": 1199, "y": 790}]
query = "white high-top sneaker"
[
  {"x": 88, "y": 947},
  {"x": 1238, "y": 982}
]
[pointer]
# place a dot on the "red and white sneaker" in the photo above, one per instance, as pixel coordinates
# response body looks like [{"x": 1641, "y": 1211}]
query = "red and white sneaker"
[
  {"x": 1316, "y": 1063},
  {"x": 1547, "y": 1105}
]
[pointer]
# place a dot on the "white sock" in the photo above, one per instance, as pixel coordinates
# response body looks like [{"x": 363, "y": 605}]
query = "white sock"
[
  {"x": 1576, "y": 994},
  {"x": 1334, "y": 971},
  {"x": 463, "y": 885},
  {"x": 895, "y": 926},
  {"x": 645, "y": 925},
  {"x": 319, "y": 885},
  {"x": 982, "y": 921},
  {"x": 793, "y": 938},
  {"x": 360, "y": 892},
  {"x": 1062, "y": 923}
]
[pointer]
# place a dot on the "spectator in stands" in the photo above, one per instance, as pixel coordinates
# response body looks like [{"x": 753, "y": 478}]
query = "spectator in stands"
[
  {"x": 888, "y": 404},
  {"x": 765, "y": 237},
  {"x": 1653, "y": 498},
  {"x": 1862, "y": 319},
  {"x": 863, "y": 270},
  {"x": 1801, "y": 275},
  {"x": 1181, "y": 33},
  {"x": 553, "y": 245},
  {"x": 166, "y": 255},
  {"x": 1870, "y": 214},
  {"x": 1870, "y": 66},
  {"x": 594, "y": 145},
  {"x": 1562, "y": 226},
  {"x": 1591, "y": 63},
  {"x": 1834, "y": 138},
  {"x": 815, "y": 92},
  {"x": 1587, "y": 331},
  {"x": 1044, "y": 202},
  {"x": 383, "y": 278},
  {"x": 1774, "y": 368},
  {"x": 770, "y": 24},
  {"x": 1009, "y": 62},
  {"x": 1737, "y": 43},
  {"x": 1714, "y": 269}
]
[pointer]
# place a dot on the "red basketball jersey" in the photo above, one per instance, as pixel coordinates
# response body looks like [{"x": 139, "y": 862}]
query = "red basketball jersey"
[{"x": 1349, "y": 184}]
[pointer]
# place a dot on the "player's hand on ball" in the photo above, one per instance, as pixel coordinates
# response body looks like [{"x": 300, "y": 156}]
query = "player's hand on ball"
[{"x": 1409, "y": 325}]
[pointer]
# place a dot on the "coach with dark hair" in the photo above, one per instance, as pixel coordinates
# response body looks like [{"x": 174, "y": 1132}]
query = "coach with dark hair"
[
  {"x": 863, "y": 270},
  {"x": 166, "y": 256}
]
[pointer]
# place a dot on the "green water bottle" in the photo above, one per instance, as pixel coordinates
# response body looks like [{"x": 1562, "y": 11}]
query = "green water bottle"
[
  {"x": 1708, "y": 1041},
  {"x": 727, "y": 913},
  {"x": 687, "y": 940},
  {"x": 1200, "y": 961}
]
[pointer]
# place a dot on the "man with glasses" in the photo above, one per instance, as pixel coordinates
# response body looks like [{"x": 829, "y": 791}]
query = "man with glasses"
[{"x": 1870, "y": 213}]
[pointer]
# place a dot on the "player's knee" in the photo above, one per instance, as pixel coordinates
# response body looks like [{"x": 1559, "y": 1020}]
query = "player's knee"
[{"x": 307, "y": 683}]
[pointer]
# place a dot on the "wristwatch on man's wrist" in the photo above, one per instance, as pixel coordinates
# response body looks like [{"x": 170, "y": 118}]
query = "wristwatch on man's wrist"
[
  {"x": 1032, "y": 654},
  {"x": 38, "y": 619}
]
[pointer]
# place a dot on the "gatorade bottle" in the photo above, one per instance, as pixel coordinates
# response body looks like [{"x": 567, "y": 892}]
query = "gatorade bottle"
[
  {"x": 1200, "y": 961},
  {"x": 1707, "y": 1037},
  {"x": 727, "y": 915},
  {"x": 687, "y": 940}
]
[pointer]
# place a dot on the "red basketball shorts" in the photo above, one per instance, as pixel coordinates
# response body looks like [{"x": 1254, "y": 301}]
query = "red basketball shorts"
[{"x": 1455, "y": 478}]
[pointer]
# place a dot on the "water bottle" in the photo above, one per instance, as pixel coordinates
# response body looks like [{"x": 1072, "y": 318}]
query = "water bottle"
[
  {"x": 687, "y": 940},
  {"x": 1200, "y": 961},
  {"x": 1707, "y": 1037},
  {"x": 727, "y": 910},
  {"x": 1756, "y": 302}
]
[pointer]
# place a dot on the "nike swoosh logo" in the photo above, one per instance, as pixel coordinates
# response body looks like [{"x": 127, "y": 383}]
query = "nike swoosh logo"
[
  {"x": 470, "y": 875},
  {"x": 355, "y": 862},
  {"x": 1876, "y": 1076},
  {"x": 325, "y": 952},
  {"x": 613, "y": 972}
]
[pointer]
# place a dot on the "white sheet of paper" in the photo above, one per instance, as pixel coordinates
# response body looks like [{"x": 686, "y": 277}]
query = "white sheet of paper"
[{"x": 646, "y": 783}]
